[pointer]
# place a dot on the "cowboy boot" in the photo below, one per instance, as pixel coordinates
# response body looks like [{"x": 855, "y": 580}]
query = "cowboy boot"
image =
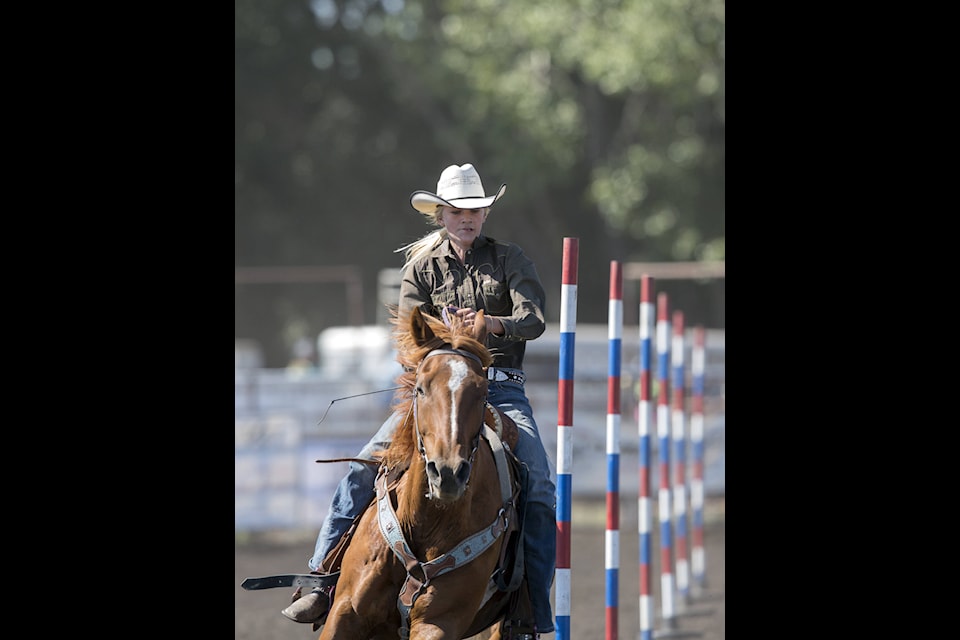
[
  {"x": 311, "y": 608},
  {"x": 539, "y": 532}
]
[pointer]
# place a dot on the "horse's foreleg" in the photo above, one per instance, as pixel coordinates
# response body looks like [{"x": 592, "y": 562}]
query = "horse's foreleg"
[{"x": 343, "y": 622}]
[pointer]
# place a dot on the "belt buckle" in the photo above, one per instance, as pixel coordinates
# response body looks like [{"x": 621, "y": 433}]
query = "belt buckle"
[{"x": 496, "y": 375}]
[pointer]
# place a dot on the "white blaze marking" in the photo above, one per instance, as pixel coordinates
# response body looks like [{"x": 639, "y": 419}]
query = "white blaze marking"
[{"x": 458, "y": 371}]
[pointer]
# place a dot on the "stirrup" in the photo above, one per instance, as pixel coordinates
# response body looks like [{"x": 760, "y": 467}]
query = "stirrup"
[{"x": 516, "y": 630}]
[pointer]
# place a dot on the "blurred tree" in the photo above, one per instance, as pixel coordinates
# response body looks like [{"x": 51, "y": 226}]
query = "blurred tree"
[{"x": 604, "y": 117}]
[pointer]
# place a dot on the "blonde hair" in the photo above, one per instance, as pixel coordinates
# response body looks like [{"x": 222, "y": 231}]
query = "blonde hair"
[{"x": 419, "y": 248}]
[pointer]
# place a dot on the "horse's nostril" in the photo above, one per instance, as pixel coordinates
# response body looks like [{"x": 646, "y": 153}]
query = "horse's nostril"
[
  {"x": 463, "y": 472},
  {"x": 432, "y": 471}
]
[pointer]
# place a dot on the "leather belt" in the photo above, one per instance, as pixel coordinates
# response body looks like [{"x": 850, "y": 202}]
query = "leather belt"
[{"x": 499, "y": 375}]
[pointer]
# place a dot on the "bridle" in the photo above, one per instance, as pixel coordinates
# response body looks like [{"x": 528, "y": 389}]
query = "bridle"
[{"x": 416, "y": 421}]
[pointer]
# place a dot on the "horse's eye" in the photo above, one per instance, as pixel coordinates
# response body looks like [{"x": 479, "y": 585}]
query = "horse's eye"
[{"x": 418, "y": 390}]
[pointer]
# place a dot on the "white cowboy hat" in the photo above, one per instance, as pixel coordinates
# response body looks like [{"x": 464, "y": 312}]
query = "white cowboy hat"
[{"x": 458, "y": 187}]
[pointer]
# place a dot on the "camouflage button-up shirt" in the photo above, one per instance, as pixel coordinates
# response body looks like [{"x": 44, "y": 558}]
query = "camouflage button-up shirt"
[{"x": 496, "y": 277}]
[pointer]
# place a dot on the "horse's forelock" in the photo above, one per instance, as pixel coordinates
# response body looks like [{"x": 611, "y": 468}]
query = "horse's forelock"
[
  {"x": 456, "y": 335},
  {"x": 409, "y": 354}
]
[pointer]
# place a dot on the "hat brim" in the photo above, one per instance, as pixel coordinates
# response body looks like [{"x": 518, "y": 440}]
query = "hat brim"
[{"x": 426, "y": 202}]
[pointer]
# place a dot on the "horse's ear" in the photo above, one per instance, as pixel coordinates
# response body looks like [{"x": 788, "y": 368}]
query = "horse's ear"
[
  {"x": 420, "y": 328},
  {"x": 479, "y": 327}
]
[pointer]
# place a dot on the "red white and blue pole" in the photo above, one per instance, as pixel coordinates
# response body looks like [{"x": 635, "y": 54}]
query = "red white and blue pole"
[
  {"x": 568, "y": 324},
  {"x": 697, "y": 368},
  {"x": 611, "y": 561},
  {"x": 667, "y": 609},
  {"x": 644, "y": 426},
  {"x": 678, "y": 387}
]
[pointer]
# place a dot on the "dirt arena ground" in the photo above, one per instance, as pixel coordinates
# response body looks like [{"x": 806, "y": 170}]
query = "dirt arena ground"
[{"x": 258, "y": 612}]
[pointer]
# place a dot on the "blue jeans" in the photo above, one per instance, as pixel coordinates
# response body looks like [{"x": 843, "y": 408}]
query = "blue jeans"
[{"x": 356, "y": 490}]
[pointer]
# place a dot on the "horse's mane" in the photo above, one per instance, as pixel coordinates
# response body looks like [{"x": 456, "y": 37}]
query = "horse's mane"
[{"x": 456, "y": 335}]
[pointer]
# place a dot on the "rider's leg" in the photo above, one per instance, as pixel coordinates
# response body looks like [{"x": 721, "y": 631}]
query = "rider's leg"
[
  {"x": 540, "y": 519},
  {"x": 354, "y": 492}
]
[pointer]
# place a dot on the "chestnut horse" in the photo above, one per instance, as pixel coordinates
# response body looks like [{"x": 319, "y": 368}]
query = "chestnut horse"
[{"x": 422, "y": 560}]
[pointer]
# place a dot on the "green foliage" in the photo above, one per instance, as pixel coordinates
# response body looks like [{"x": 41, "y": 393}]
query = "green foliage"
[{"x": 605, "y": 118}]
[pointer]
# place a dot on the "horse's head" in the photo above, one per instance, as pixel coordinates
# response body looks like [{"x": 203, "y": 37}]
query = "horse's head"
[{"x": 449, "y": 400}]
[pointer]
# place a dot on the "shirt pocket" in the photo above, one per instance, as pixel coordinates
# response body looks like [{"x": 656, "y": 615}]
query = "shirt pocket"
[{"x": 495, "y": 298}]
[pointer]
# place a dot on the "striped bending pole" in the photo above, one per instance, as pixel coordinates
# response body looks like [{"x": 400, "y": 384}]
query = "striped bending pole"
[
  {"x": 612, "y": 537},
  {"x": 667, "y": 611},
  {"x": 698, "y": 360},
  {"x": 644, "y": 422},
  {"x": 568, "y": 324},
  {"x": 682, "y": 565}
]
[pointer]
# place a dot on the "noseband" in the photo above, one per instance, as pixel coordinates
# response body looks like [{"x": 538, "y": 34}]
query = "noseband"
[{"x": 416, "y": 420}]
